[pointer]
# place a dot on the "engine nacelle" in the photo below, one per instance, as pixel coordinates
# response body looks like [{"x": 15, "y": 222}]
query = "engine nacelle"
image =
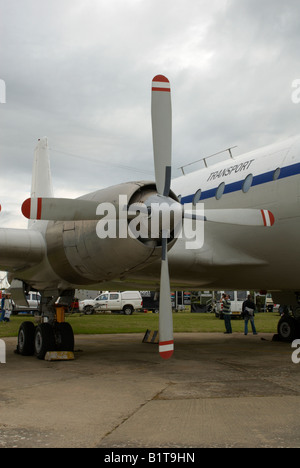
[{"x": 77, "y": 254}]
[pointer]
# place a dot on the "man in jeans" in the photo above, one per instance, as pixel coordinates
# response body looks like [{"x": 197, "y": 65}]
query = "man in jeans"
[
  {"x": 248, "y": 314},
  {"x": 6, "y": 308},
  {"x": 227, "y": 313}
]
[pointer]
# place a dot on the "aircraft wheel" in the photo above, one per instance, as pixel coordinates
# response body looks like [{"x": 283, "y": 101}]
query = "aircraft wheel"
[
  {"x": 44, "y": 340},
  {"x": 287, "y": 329},
  {"x": 64, "y": 337},
  {"x": 26, "y": 339}
]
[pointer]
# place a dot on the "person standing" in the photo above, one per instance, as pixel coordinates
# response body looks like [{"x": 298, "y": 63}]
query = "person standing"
[
  {"x": 227, "y": 313},
  {"x": 6, "y": 306},
  {"x": 2, "y": 308},
  {"x": 248, "y": 314}
]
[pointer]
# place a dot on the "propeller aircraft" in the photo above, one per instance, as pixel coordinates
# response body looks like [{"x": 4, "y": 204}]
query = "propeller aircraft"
[{"x": 249, "y": 224}]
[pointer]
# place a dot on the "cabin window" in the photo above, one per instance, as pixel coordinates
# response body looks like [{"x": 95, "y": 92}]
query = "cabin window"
[
  {"x": 247, "y": 183},
  {"x": 197, "y": 197},
  {"x": 220, "y": 190},
  {"x": 276, "y": 173}
]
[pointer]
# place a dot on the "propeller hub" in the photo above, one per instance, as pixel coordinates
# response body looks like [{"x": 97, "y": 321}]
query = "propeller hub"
[{"x": 165, "y": 216}]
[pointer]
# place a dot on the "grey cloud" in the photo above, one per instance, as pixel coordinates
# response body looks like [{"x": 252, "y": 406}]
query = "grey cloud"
[{"x": 80, "y": 73}]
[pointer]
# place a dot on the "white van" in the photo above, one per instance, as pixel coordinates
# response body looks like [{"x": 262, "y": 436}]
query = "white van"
[
  {"x": 236, "y": 298},
  {"x": 126, "y": 301}
]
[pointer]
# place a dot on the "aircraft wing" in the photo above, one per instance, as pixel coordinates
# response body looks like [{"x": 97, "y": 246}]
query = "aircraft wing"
[{"x": 20, "y": 248}]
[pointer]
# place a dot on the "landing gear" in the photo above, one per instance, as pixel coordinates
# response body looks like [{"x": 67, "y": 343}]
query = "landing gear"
[
  {"x": 52, "y": 334},
  {"x": 26, "y": 339},
  {"x": 44, "y": 340},
  {"x": 64, "y": 337},
  {"x": 288, "y": 329},
  {"x": 45, "y": 337}
]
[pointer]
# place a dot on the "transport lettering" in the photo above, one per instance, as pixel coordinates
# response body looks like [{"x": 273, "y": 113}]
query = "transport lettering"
[{"x": 230, "y": 170}]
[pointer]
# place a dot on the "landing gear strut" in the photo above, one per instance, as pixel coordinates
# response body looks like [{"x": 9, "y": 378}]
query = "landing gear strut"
[{"x": 52, "y": 333}]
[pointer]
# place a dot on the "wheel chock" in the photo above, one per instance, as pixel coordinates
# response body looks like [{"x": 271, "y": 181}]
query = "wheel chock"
[
  {"x": 151, "y": 336},
  {"x": 59, "y": 356}
]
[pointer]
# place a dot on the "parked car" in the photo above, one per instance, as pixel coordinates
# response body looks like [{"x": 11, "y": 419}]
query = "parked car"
[{"x": 126, "y": 301}]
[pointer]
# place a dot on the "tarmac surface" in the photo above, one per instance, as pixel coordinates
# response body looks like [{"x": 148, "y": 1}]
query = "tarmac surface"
[{"x": 217, "y": 391}]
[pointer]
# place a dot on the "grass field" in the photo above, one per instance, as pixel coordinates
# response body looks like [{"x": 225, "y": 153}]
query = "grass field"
[{"x": 139, "y": 323}]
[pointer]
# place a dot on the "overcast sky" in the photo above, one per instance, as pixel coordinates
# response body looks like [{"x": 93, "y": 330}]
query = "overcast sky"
[{"x": 80, "y": 72}]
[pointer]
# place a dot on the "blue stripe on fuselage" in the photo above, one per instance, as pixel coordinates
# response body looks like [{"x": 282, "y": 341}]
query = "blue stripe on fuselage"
[{"x": 237, "y": 186}]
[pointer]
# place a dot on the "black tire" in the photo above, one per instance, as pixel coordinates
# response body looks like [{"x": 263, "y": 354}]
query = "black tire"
[
  {"x": 26, "y": 335},
  {"x": 127, "y": 310},
  {"x": 287, "y": 329},
  {"x": 88, "y": 310},
  {"x": 44, "y": 340},
  {"x": 64, "y": 337}
]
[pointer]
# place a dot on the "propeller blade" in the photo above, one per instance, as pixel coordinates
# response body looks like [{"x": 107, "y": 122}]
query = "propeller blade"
[
  {"x": 69, "y": 209},
  {"x": 60, "y": 209},
  {"x": 161, "y": 113},
  {"x": 166, "y": 341},
  {"x": 162, "y": 133},
  {"x": 240, "y": 217}
]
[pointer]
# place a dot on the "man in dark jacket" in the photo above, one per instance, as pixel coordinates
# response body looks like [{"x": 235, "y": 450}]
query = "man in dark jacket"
[
  {"x": 248, "y": 314},
  {"x": 2, "y": 311},
  {"x": 226, "y": 310}
]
